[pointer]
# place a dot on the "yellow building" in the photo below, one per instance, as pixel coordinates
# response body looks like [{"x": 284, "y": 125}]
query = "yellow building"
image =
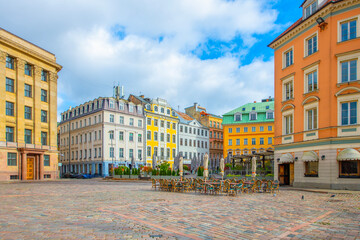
[
  {"x": 161, "y": 129},
  {"x": 28, "y": 99},
  {"x": 249, "y": 129}
]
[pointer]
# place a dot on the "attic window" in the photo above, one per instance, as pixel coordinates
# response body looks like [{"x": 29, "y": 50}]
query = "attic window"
[
  {"x": 267, "y": 107},
  {"x": 243, "y": 109},
  {"x": 253, "y": 108},
  {"x": 310, "y": 9},
  {"x": 237, "y": 117}
]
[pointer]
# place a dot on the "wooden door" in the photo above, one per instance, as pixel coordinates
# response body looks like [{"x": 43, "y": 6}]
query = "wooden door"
[
  {"x": 284, "y": 174},
  {"x": 30, "y": 168}
]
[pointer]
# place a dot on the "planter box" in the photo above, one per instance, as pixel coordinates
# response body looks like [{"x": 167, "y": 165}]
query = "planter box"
[
  {"x": 127, "y": 176},
  {"x": 165, "y": 177}
]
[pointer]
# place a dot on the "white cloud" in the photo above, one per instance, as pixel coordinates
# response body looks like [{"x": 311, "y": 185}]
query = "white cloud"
[{"x": 80, "y": 33}]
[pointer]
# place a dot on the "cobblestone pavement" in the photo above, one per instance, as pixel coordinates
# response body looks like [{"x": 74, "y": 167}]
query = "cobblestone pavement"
[{"x": 96, "y": 209}]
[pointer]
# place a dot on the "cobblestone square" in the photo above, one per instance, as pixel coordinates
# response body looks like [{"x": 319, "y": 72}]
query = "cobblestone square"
[{"x": 97, "y": 209}]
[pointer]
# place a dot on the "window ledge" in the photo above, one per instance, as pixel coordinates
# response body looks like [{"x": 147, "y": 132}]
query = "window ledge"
[
  {"x": 311, "y": 175},
  {"x": 347, "y": 83},
  {"x": 308, "y": 93},
  {"x": 288, "y": 66},
  {"x": 344, "y": 176},
  {"x": 311, "y": 54},
  {"x": 291, "y": 99},
  {"x": 348, "y": 40}
]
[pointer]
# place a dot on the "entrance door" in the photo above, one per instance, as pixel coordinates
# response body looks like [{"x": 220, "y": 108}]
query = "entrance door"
[
  {"x": 284, "y": 174},
  {"x": 30, "y": 169}
]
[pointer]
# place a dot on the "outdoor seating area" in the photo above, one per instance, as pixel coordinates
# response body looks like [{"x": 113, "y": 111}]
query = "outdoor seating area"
[{"x": 227, "y": 187}]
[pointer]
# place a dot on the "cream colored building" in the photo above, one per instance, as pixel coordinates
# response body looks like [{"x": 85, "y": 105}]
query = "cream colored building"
[
  {"x": 28, "y": 101},
  {"x": 103, "y": 132}
]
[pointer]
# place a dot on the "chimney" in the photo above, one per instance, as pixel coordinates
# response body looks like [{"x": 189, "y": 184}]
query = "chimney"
[
  {"x": 142, "y": 96},
  {"x": 254, "y": 101}
]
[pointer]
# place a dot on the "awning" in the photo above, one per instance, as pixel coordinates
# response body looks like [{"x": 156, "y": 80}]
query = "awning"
[
  {"x": 286, "y": 158},
  {"x": 310, "y": 157},
  {"x": 349, "y": 155}
]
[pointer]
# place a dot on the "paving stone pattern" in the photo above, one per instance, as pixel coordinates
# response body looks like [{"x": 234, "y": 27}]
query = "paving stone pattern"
[{"x": 97, "y": 209}]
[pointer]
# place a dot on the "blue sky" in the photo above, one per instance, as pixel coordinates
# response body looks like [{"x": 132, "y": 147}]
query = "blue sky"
[{"x": 213, "y": 52}]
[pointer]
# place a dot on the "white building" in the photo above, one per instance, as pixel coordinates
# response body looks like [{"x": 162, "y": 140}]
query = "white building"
[
  {"x": 193, "y": 138},
  {"x": 103, "y": 132}
]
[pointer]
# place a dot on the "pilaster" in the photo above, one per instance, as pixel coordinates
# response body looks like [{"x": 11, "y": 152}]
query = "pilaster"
[
  {"x": 52, "y": 113},
  {"x": 37, "y": 106},
  {"x": 20, "y": 101},
  {"x": 2, "y": 96},
  {"x": 23, "y": 166},
  {"x": 41, "y": 167}
]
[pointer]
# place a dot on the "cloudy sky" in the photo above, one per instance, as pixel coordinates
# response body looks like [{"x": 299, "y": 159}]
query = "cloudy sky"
[{"x": 213, "y": 52}]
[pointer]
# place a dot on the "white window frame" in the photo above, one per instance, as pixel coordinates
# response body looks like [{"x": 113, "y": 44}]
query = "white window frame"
[
  {"x": 309, "y": 6},
  {"x": 343, "y": 99},
  {"x": 306, "y": 45},
  {"x": 284, "y": 57},
  {"x": 340, "y": 22},
  {"x": 270, "y": 111},
  {"x": 237, "y": 114},
  {"x": 251, "y": 113},
  {"x": 284, "y": 83},
  {"x": 307, "y": 108},
  {"x": 348, "y": 57},
  {"x": 308, "y": 71},
  {"x": 284, "y": 115}
]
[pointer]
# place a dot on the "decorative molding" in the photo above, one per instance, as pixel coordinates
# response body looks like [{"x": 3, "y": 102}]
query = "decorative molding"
[
  {"x": 20, "y": 63},
  {"x": 288, "y": 76},
  {"x": 311, "y": 97},
  {"x": 346, "y": 89},
  {"x": 290, "y": 105},
  {"x": 311, "y": 65},
  {"x": 2, "y": 57},
  {"x": 37, "y": 70},
  {"x": 347, "y": 53}
]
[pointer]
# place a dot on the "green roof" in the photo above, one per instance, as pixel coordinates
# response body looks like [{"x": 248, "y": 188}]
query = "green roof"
[{"x": 260, "y": 108}]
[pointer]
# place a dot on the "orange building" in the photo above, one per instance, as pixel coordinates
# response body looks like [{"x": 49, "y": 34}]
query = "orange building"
[{"x": 317, "y": 94}]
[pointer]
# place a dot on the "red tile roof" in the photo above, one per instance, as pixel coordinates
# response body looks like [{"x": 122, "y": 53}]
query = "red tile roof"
[{"x": 185, "y": 116}]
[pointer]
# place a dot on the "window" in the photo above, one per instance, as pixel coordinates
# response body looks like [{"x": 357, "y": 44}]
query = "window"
[
  {"x": 168, "y": 138},
  {"x": 44, "y": 75},
  {"x": 9, "y": 62},
  {"x": 131, "y": 123},
  {"x": 312, "y": 81},
  {"x": 348, "y": 30},
  {"x": 121, "y": 136},
  {"x": 253, "y": 116},
  {"x": 111, "y": 118},
  {"x": 44, "y": 138},
  {"x": 149, "y": 151},
  {"x": 289, "y": 90},
  {"x": 111, "y": 152},
  {"x": 253, "y": 141},
  {"x": 173, "y": 125},
  {"x": 230, "y": 130},
  {"x": 28, "y": 136},
  {"x": 148, "y": 135},
  {"x": 186, "y": 129},
  {"x": 28, "y": 69},
  {"x": 261, "y": 141},
  {"x": 162, "y": 110},
  {"x": 253, "y": 129},
  {"x": 162, "y": 123},
  {"x": 311, "y": 45},
  {"x": 174, "y": 153},
  {"x": 311, "y": 169},
  {"x": 237, "y": 130},
  {"x": 269, "y": 128},
  {"x": 174, "y": 138},
  {"x": 288, "y": 124},
  {"x": 261, "y": 128},
  {"x": 348, "y": 113},
  {"x": 269, "y": 140},
  {"x": 121, "y": 120},
  {"x": 149, "y": 121},
  {"x": 121, "y": 152},
  {"x": 139, "y": 138},
  {"x": 43, "y": 95},
  {"x": 99, "y": 152},
  {"x": 245, "y": 129},
  {"x": 9, "y": 134},
  {"x": 288, "y": 58},
  {"x": 139, "y": 154},
  {"x": 131, "y": 153},
  {"x": 111, "y": 135},
  {"x": 139, "y": 123},
  {"x": 9, "y": 85},
  {"x": 311, "y": 119},
  {"x": 270, "y": 115},
  {"x": 95, "y": 152},
  {"x": 131, "y": 137},
  {"x": 181, "y": 141},
  {"x": 349, "y": 168},
  {"x": 237, "y": 117},
  {"x": 168, "y": 111},
  {"x": 121, "y": 106},
  {"x": 155, "y": 108},
  {"x": 28, "y": 90},
  {"x": 162, "y": 137},
  {"x": 349, "y": 71},
  {"x": 43, "y": 116},
  {"x": 9, "y": 109},
  {"x": 111, "y": 104},
  {"x": 46, "y": 160},
  {"x": 237, "y": 141},
  {"x": 131, "y": 108},
  {"x": 230, "y": 142},
  {"x": 155, "y": 122},
  {"x": 11, "y": 159},
  {"x": 27, "y": 113},
  {"x": 310, "y": 9},
  {"x": 155, "y": 136}
]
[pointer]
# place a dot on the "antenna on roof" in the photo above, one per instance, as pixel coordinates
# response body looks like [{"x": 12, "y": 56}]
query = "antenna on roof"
[{"x": 178, "y": 108}]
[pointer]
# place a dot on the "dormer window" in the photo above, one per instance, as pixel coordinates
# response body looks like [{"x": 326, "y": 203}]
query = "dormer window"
[
  {"x": 156, "y": 109},
  {"x": 270, "y": 114},
  {"x": 243, "y": 109},
  {"x": 121, "y": 106},
  {"x": 310, "y": 9},
  {"x": 253, "y": 116},
  {"x": 131, "y": 108},
  {"x": 111, "y": 104},
  {"x": 237, "y": 117}
]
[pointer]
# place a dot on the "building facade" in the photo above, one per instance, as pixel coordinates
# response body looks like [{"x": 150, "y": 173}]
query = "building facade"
[
  {"x": 100, "y": 134},
  {"x": 317, "y": 93},
  {"x": 193, "y": 138},
  {"x": 28, "y": 141},
  {"x": 249, "y": 129},
  {"x": 161, "y": 129},
  {"x": 214, "y": 123}
]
